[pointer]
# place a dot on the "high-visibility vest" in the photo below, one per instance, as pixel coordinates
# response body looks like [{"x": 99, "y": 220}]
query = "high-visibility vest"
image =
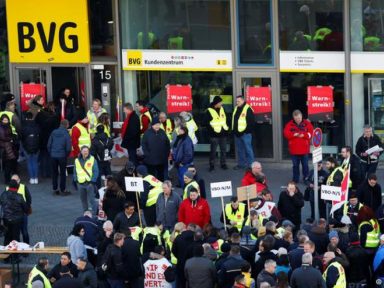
[
  {"x": 194, "y": 184},
  {"x": 153, "y": 231},
  {"x": 81, "y": 175},
  {"x": 344, "y": 171},
  {"x": 192, "y": 128},
  {"x": 168, "y": 128},
  {"x": 321, "y": 33},
  {"x": 85, "y": 137},
  {"x": 242, "y": 121},
  {"x": 150, "y": 40},
  {"x": 219, "y": 120},
  {"x": 373, "y": 239},
  {"x": 20, "y": 191},
  {"x": 155, "y": 191},
  {"x": 248, "y": 223},
  {"x": 135, "y": 232},
  {"x": 93, "y": 120},
  {"x": 346, "y": 205},
  {"x": 146, "y": 114},
  {"x": 175, "y": 43},
  {"x": 341, "y": 281},
  {"x": 36, "y": 272},
  {"x": 169, "y": 244},
  {"x": 10, "y": 116},
  {"x": 107, "y": 130},
  {"x": 238, "y": 217}
]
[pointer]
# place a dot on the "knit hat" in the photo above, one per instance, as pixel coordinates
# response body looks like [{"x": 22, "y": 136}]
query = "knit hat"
[
  {"x": 352, "y": 195},
  {"x": 216, "y": 100},
  {"x": 155, "y": 121},
  {"x": 333, "y": 234},
  {"x": 188, "y": 174},
  {"x": 142, "y": 170},
  {"x": 288, "y": 223}
]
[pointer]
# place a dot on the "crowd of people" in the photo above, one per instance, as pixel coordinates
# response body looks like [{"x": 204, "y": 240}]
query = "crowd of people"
[{"x": 165, "y": 237}]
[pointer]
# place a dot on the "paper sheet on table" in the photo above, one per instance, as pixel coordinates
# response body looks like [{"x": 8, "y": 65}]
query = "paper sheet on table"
[{"x": 374, "y": 149}]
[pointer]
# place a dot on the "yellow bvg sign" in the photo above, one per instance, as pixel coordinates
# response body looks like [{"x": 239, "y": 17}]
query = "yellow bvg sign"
[{"x": 48, "y": 31}]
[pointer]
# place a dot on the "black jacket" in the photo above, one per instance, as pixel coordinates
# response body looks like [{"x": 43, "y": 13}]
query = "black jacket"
[
  {"x": 290, "y": 207},
  {"x": 114, "y": 259},
  {"x": 250, "y": 118},
  {"x": 100, "y": 143},
  {"x": 13, "y": 205},
  {"x": 67, "y": 281},
  {"x": 112, "y": 204},
  {"x": 356, "y": 172},
  {"x": 363, "y": 144},
  {"x": 259, "y": 264},
  {"x": 295, "y": 257},
  {"x": 47, "y": 121},
  {"x": 122, "y": 223},
  {"x": 307, "y": 277},
  {"x": 156, "y": 147},
  {"x": 88, "y": 277},
  {"x": 55, "y": 271},
  {"x": 229, "y": 270},
  {"x": 180, "y": 248},
  {"x": 319, "y": 236},
  {"x": 30, "y": 136},
  {"x": 131, "y": 138},
  {"x": 133, "y": 267},
  {"x": 264, "y": 276},
  {"x": 370, "y": 196},
  {"x": 70, "y": 109},
  {"x": 359, "y": 262}
]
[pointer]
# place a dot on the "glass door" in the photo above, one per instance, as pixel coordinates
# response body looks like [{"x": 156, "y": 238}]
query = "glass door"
[
  {"x": 258, "y": 90},
  {"x": 30, "y": 82},
  {"x": 376, "y": 105}
]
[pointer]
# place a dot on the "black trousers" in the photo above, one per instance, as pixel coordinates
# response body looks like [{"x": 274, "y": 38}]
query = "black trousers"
[
  {"x": 157, "y": 171},
  {"x": 59, "y": 164},
  {"x": 150, "y": 215},
  {"x": 222, "y": 143},
  {"x": 13, "y": 230}
]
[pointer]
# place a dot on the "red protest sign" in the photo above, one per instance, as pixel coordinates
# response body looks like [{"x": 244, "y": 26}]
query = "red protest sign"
[
  {"x": 179, "y": 98},
  {"x": 28, "y": 91},
  {"x": 320, "y": 103},
  {"x": 260, "y": 99}
]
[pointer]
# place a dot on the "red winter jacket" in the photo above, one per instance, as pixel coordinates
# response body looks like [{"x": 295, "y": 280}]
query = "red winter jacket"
[
  {"x": 298, "y": 145},
  {"x": 145, "y": 121},
  {"x": 199, "y": 214},
  {"x": 250, "y": 179}
]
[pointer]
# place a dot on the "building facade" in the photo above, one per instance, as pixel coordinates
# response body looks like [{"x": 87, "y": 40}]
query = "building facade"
[{"x": 324, "y": 57}]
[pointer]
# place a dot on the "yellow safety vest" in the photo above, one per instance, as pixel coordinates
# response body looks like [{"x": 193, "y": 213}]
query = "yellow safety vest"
[
  {"x": 219, "y": 120},
  {"x": 107, "y": 130},
  {"x": 341, "y": 282},
  {"x": 193, "y": 183},
  {"x": 238, "y": 217},
  {"x": 135, "y": 232},
  {"x": 249, "y": 281},
  {"x": 175, "y": 43},
  {"x": 168, "y": 128},
  {"x": 82, "y": 176},
  {"x": 155, "y": 191},
  {"x": 154, "y": 231},
  {"x": 345, "y": 209},
  {"x": 21, "y": 191},
  {"x": 169, "y": 243},
  {"x": 192, "y": 128},
  {"x": 248, "y": 223},
  {"x": 140, "y": 40},
  {"x": 36, "y": 272},
  {"x": 85, "y": 137},
  {"x": 10, "y": 116},
  {"x": 149, "y": 117},
  {"x": 330, "y": 177},
  {"x": 373, "y": 239},
  {"x": 92, "y": 118},
  {"x": 242, "y": 121}
]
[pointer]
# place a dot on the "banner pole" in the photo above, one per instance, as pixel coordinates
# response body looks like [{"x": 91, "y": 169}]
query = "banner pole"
[
  {"x": 138, "y": 208},
  {"x": 224, "y": 218}
]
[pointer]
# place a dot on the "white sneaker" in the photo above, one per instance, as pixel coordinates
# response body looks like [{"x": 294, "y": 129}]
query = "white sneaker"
[
  {"x": 36, "y": 181},
  {"x": 31, "y": 181}
]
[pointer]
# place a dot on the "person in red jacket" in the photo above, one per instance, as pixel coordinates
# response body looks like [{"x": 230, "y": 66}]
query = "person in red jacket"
[
  {"x": 255, "y": 175},
  {"x": 298, "y": 132},
  {"x": 80, "y": 136},
  {"x": 145, "y": 116},
  {"x": 195, "y": 210}
]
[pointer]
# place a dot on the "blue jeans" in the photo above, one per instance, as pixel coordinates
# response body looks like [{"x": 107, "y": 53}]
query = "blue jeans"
[
  {"x": 180, "y": 174},
  {"x": 33, "y": 165},
  {"x": 115, "y": 283},
  {"x": 296, "y": 159},
  {"x": 87, "y": 196},
  {"x": 245, "y": 155}
]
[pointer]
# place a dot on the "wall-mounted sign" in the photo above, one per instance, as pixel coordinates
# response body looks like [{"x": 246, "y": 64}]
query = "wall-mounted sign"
[
  {"x": 260, "y": 99},
  {"x": 320, "y": 103},
  {"x": 367, "y": 62},
  {"x": 177, "y": 60},
  {"x": 46, "y": 31},
  {"x": 179, "y": 98},
  {"x": 309, "y": 61},
  {"x": 28, "y": 91}
]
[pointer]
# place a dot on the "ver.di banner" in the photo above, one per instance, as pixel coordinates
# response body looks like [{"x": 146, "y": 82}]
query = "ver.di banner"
[
  {"x": 28, "y": 91},
  {"x": 179, "y": 98},
  {"x": 260, "y": 99},
  {"x": 320, "y": 103}
]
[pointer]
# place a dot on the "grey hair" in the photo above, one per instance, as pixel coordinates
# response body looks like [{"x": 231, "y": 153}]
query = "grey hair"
[
  {"x": 168, "y": 183},
  {"x": 255, "y": 163},
  {"x": 296, "y": 112},
  {"x": 306, "y": 258},
  {"x": 367, "y": 126},
  {"x": 269, "y": 262}
]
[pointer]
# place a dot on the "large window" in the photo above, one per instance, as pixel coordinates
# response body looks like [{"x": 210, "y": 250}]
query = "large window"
[
  {"x": 367, "y": 25},
  {"x": 102, "y": 28},
  {"x": 4, "y": 73},
  {"x": 294, "y": 96},
  {"x": 254, "y": 22},
  {"x": 175, "y": 24},
  {"x": 315, "y": 25}
]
